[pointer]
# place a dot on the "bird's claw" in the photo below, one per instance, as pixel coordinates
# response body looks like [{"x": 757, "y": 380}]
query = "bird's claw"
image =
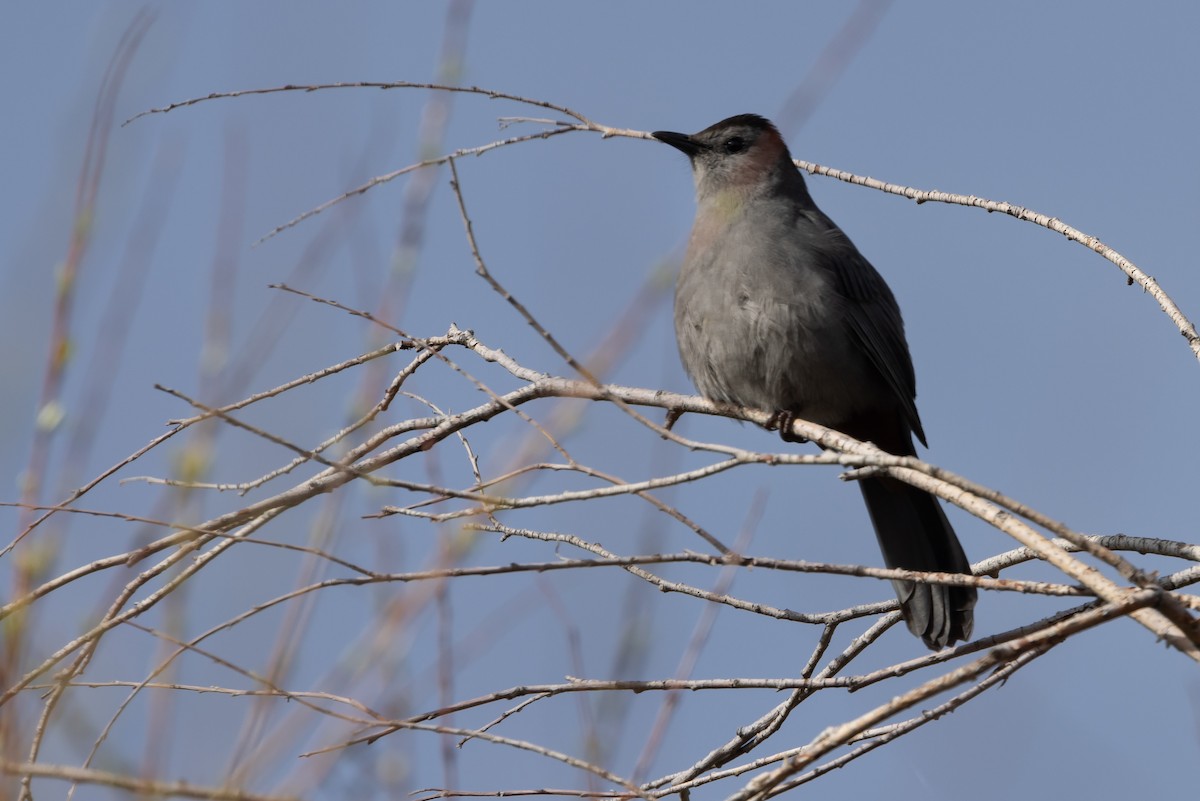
[{"x": 781, "y": 421}]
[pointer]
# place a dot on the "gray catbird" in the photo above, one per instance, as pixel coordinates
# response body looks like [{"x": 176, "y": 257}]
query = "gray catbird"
[{"x": 777, "y": 310}]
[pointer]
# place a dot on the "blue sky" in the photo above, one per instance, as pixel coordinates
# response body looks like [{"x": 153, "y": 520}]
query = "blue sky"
[{"x": 1040, "y": 373}]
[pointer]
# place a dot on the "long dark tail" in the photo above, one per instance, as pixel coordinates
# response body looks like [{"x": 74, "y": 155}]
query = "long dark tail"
[{"x": 914, "y": 534}]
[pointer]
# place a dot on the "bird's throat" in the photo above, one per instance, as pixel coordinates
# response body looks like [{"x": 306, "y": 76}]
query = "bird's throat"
[{"x": 721, "y": 207}]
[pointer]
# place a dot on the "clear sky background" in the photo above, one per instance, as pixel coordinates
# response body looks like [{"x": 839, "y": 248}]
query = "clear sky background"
[{"x": 1040, "y": 372}]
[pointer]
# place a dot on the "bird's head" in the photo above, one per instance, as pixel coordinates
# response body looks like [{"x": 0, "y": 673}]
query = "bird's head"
[{"x": 739, "y": 154}]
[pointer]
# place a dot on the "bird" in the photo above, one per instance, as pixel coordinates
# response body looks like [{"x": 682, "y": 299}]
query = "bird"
[{"x": 776, "y": 309}]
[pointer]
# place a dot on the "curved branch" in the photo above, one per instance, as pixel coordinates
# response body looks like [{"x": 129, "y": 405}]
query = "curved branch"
[{"x": 1134, "y": 274}]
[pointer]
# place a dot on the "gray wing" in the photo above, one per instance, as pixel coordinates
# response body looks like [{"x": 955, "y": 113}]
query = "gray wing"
[{"x": 875, "y": 321}]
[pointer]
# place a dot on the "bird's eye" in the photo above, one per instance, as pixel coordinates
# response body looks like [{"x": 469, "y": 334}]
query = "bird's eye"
[{"x": 735, "y": 144}]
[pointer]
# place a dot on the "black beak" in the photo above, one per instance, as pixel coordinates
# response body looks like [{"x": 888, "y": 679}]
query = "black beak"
[{"x": 683, "y": 142}]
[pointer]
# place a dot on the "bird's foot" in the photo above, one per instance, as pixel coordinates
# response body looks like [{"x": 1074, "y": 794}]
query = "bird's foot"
[{"x": 781, "y": 421}]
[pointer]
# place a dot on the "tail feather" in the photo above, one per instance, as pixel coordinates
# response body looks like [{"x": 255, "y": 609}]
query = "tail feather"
[{"x": 914, "y": 534}]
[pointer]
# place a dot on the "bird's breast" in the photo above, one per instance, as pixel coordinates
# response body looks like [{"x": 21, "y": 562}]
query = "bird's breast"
[{"x": 758, "y": 329}]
